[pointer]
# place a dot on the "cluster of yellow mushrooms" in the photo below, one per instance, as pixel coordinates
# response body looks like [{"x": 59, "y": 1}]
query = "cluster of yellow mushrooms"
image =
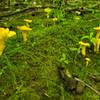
[
  {"x": 96, "y": 45},
  {"x": 5, "y": 33}
]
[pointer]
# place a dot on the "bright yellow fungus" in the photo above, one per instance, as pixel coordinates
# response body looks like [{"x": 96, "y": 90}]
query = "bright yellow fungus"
[
  {"x": 87, "y": 61},
  {"x": 4, "y": 35},
  {"x": 77, "y": 18},
  {"x": 55, "y": 19},
  {"x": 25, "y": 30},
  {"x": 83, "y": 49},
  {"x": 97, "y": 28},
  {"x": 98, "y": 32},
  {"x": 84, "y": 43},
  {"x": 48, "y": 10},
  {"x": 97, "y": 43},
  {"x": 2, "y": 46},
  {"x": 11, "y": 33},
  {"x": 28, "y": 20}
]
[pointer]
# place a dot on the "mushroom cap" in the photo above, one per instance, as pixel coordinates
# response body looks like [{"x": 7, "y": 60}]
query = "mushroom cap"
[
  {"x": 84, "y": 43},
  {"x": 24, "y": 28},
  {"x": 55, "y": 19},
  {"x": 47, "y": 10},
  {"x": 97, "y": 28},
  {"x": 28, "y": 20},
  {"x": 3, "y": 33},
  {"x": 87, "y": 59},
  {"x": 11, "y": 33},
  {"x": 77, "y": 17}
]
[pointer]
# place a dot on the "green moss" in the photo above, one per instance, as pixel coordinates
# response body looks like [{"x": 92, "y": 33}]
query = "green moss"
[{"x": 29, "y": 71}]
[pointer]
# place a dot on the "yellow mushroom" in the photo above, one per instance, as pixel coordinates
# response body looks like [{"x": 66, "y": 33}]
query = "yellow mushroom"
[
  {"x": 54, "y": 19},
  {"x": 48, "y": 11},
  {"x": 84, "y": 46},
  {"x": 4, "y": 35},
  {"x": 97, "y": 44},
  {"x": 77, "y": 18},
  {"x": 27, "y": 21},
  {"x": 87, "y": 61},
  {"x": 25, "y": 30},
  {"x": 98, "y": 32},
  {"x": 11, "y": 33}
]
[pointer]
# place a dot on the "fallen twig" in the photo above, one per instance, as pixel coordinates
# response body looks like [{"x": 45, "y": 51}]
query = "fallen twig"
[
  {"x": 27, "y": 9},
  {"x": 97, "y": 92}
]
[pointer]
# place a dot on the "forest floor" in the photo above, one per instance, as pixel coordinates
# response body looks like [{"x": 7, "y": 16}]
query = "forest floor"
[{"x": 47, "y": 65}]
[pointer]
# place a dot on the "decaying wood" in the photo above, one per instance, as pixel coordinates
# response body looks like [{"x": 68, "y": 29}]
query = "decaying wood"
[
  {"x": 24, "y": 10},
  {"x": 39, "y": 9}
]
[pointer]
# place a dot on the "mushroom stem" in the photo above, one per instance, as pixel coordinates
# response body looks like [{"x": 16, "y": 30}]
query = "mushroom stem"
[
  {"x": 25, "y": 36},
  {"x": 87, "y": 61},
  {"x": 98, "y": 34},
  {"x": 27, "y": 24},
  {"x": 98, "y": 45},
  {"x": 47, "y": 15},
  {"x": 83, "y": 47},
  {"x": 98, "y": 40},
  {"x": 95, "y": 49},
  {"x": 83, "y": 51},
  {"x": 2, "y": 46}
]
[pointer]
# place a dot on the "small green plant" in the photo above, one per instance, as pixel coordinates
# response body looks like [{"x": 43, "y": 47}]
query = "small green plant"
[
  {"x": 89, "y": 38},
  {"x": 63, "y": 59}
]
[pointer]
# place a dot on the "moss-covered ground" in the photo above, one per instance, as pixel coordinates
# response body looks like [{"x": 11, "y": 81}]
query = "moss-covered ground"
[{"x": 29, "y": 71}]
